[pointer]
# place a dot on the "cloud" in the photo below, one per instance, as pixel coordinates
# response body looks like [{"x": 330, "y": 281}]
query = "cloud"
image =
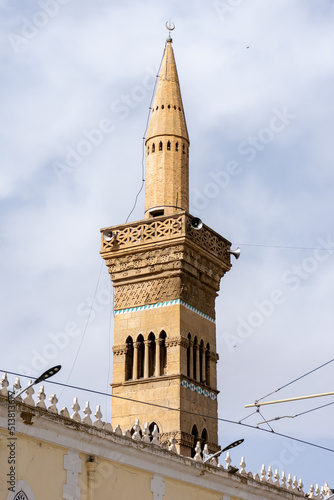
[{"x": 91, "y": 63}]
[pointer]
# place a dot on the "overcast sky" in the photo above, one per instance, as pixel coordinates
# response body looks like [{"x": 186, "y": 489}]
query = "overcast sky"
[{"x": 257, "y": 86}]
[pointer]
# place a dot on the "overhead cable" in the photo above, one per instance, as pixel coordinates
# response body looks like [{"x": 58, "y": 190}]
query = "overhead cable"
[{"x": 181, "y": 411}]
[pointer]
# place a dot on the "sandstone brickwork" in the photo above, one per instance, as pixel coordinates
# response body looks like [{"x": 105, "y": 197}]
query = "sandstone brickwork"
[
  {"x": 167, "y": 145},
  {"x": 166, "y": 275}
]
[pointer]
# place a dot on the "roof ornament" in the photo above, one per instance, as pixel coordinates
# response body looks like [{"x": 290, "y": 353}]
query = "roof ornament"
[{"x": 170, "y": 26}]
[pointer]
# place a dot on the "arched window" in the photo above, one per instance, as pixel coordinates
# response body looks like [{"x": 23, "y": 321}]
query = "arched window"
[
  {"x": 141, "y": 355},
  {"x": 201, "y": 357},
  {"x": 207, "y": 364},
  {"x": 148, "y": 150},
  {"x": 160, "y": 146},
  {"x": 168, "y": 146},
  {"x": 188, "y": 355},
  {"x": 153, "y": 148},
  {"x": 195, "y": 347},
  {"x": 129, "y": 359},
  {"x": 151, "y": 354},
  {"x": 194, "y": 434},
  {"x": 151, "y": 428},
  {"x": 204, "y": 438},
  {"x": 177, "y": 146},
  {"x": 183, "y": 149},
  {"x": 163, "y": 353}
]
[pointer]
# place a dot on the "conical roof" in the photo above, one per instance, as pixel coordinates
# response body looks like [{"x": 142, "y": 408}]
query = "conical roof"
[{"x": 167, "y": 117}]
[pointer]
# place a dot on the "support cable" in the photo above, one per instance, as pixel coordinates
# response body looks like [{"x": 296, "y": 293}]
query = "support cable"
[{"x": 144, "y": 138}]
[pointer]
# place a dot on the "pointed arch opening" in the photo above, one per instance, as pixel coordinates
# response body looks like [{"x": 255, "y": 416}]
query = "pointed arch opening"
[
  {"x": 204, "y": 437},
  {"x": 177, "y": 146},
  {"x": 195, "y": 354},
  {"x": 201, "y": 358},
  {"x": 183, "y": 149},
  {"x": 163, "y": 353},
  {"x": 207, "y": 364},
  {"x": 141, "y": 356},
  {"x": 194, "y": 433},
  {"x": 168, "y": 146},
  {"x": 153, "y": 148},
  {"x": 151, "y": 429},
  {"x": 188, "y": 355},
  {"x": 129, "y": 359},
  {"x": 160, "y": 146},
  {"x": 151, "y": 354}
]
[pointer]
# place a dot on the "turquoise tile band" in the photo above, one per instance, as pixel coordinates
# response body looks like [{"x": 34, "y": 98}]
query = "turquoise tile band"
[
  {"x": 199, "y": 390},
  {"x": 164, "y": 304}
]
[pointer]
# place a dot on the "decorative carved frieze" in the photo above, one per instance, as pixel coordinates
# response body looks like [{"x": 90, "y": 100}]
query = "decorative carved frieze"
[
  {"x": 147, "y": 292},
  {"x": 145, "y": 232},
  {"x": 196, "y": 295},
  {"x": 185, "y": 439},
  {"x": 158, "y": 230},
  {"x": 145, "y": 262},
  {"x": 214, "y": 356},
  {"x": 166, "y": 436},
  {"x": 164, "y": 289},
  {"x": 174, "y": 271},
  {"x": 120, "y": 350},
  {"x": 176, "y": 341},
  {"x": 171, "y": 259}
]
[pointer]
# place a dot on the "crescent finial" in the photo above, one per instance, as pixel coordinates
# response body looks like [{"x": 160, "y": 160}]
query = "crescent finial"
[{"x": 170, "y": 26}]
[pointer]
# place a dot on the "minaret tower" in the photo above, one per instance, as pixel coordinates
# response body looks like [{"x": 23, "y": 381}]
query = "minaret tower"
[
  {"x": 167, "y": 145},
  {"x": 166, "y": 272}
]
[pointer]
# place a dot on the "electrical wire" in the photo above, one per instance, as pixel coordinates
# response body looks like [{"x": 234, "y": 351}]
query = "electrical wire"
[
  {"x": 295, "y": 380},
  {"x": 293, "y": 416},
  {"x": 180, "y": 411},
  {"x": 245, "y": 418},
  {"x": 112, "y": 314},
  {"x": 265, "y": 421},
  {"x": 85, "y": 329},
  {"x": 282, "y": 246},
  {"x": 144, "y": 137}
]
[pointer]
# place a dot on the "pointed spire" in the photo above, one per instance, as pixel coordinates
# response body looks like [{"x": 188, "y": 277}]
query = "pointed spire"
[
  {"x": 168, "y": 93},
  {"x": 167, "y": 145}
]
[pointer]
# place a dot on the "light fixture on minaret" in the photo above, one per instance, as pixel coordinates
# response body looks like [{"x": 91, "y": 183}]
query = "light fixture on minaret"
[{"x": 166, "y": 272}]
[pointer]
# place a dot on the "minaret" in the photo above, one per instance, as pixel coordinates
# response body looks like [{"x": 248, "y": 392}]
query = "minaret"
[
  {"x": 167, "y": 145},
  {"x": 166, "y": 272}
]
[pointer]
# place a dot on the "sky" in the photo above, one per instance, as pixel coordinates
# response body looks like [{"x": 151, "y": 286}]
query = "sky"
[{"x": 257, "y": 87}]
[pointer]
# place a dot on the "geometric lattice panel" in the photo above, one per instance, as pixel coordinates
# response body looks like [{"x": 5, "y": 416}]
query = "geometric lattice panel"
[{"x": 146, "y": 292}]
